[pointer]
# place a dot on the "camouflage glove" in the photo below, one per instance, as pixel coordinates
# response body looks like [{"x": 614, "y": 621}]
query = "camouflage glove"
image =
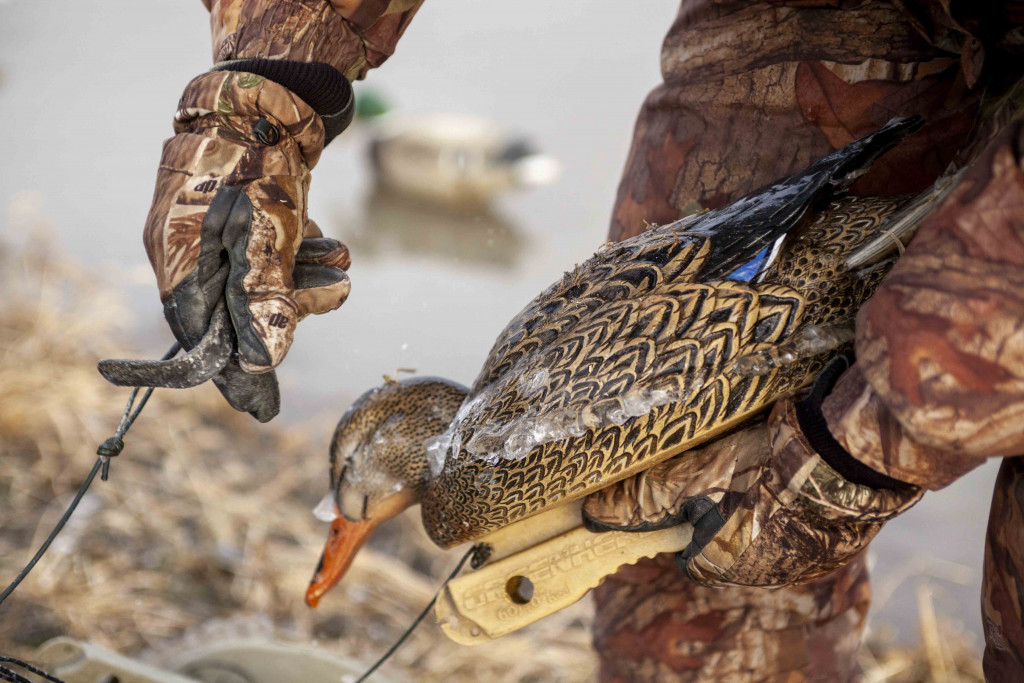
[
  {"x": 767, "y": 508},
  {"x": 228, "y": 221}
]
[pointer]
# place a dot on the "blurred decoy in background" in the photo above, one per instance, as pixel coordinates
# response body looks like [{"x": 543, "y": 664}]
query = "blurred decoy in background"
[
  {"x": 393, "y": 223},
  {"x": 454, "y": 159}
]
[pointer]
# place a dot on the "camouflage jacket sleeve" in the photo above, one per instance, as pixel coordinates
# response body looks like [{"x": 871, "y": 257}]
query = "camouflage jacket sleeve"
[
  {"x": 939, "y": 381},
  {"x": 353, "y": 36}
]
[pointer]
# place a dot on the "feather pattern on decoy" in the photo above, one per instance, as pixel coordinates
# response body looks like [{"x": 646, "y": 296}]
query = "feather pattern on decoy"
[{"x": 649, "y": 348}]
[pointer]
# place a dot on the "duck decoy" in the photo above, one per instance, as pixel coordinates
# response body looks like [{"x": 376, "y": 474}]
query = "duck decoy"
[
  {"x": 455, "y": 159},
  {"x": 449, "y": 159},
  {"x": 649, "y": 348}
]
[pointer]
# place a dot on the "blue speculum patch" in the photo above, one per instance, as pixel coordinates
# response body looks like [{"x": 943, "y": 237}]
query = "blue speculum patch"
[{"x": 748, "y": 270}]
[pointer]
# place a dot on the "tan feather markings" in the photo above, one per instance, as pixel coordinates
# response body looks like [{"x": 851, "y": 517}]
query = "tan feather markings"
[{"x": 624, "y": 362}]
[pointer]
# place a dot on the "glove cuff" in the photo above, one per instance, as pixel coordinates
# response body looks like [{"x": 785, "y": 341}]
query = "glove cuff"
[
  {"x": 321, "y": 86},
  {"x": 815, "y": 429},
  {"x": 235, "y": 101}
]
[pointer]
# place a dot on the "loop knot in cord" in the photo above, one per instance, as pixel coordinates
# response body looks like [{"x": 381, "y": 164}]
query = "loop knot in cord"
[{"x": 111, "y": 447}]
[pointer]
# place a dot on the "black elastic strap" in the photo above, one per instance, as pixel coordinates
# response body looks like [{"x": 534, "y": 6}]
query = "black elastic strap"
[
  {"x": 319, "y": 85},
  {"x": 815, "y": 429}
]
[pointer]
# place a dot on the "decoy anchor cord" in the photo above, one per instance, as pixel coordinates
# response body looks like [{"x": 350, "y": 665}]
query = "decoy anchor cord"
[
  {"x": 476, "y": 550},
  {"x": 107, "y": 450}
]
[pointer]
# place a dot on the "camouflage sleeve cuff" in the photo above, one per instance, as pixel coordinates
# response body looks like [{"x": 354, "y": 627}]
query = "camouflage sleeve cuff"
[
  {"x": 826, "y": 490},
  {"x": 229, "y": 94},
  {"x": 871, "y": 434},
  {"x": 353, "y": 36},
  {"x": 814, "y": 428}
]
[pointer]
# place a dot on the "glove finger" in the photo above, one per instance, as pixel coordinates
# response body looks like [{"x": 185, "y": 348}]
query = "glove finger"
[
  {"x": 323, "y": 251},
  {"x": 257, "y": 395},
  {"x": 190, "y": 304},
  {"x": 311, "y": 229},
  {"x": 261, "y": 248},
  {"x": 319, "y": 289},
  {"x": 644, "y": 502}
]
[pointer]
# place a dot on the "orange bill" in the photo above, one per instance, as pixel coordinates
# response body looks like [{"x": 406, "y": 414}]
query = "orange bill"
[{"x": 344, "y": 542}]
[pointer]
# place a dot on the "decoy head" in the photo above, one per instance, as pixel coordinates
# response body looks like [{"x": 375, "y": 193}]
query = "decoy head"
[{"x": 379, "y": 465}]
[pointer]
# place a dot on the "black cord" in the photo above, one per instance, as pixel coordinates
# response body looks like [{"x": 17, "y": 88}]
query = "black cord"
[
  {"x": 12, "y": 676},
  {"x": 27, "y": 667},
  {"x": 108, "y": 449},
  {"x": 53, "y": 534},
  {"x": 423, "y": 614}
]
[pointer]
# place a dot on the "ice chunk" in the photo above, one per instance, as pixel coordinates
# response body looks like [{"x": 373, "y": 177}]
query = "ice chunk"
[
  {"x": 812, "y": 340},
  {"x": 519, "y": 445},
  {"x": 437, "y": 452},
  {"x": 637, "y": 403},
  {"x": 534, "y": 384},
  {"x": 615, "y": 413}
]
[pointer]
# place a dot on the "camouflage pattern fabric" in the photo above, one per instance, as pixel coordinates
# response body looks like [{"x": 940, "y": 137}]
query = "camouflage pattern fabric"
[
  {"x": 791, "y": 523},
  {"x": 940, "y": 342},
  {"x": 654, "y": 624},
  {"x": 789, "y": 518},
  {"x": 869, "y": 431},
  {"x": 731, "y": 117},
  {"x": 353, "y": 36},
  {"x": 228, "y": 218},
  {"x": 942, "y": 372},
  {"x": 1002, "y": 600}
]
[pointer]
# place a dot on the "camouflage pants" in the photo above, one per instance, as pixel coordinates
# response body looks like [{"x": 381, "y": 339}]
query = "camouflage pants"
[
  {"x": 654, "y": 624},
  {"x": 752, "y": 92},
  {"x": 1002, "y": 602}
]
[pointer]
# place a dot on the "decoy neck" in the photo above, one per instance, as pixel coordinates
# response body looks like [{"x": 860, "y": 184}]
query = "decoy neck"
[{"x": 380, "y": 465}]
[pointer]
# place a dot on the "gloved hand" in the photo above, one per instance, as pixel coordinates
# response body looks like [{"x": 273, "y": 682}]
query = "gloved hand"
[
  {"x": 772, "y": 504},
  {"x": 228, "y": 222}
]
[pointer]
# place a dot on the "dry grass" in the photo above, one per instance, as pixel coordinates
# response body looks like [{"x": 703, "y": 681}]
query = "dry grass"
[
  {"x": 944, "y": 656},
  {"x": 205, "y": 527}
]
